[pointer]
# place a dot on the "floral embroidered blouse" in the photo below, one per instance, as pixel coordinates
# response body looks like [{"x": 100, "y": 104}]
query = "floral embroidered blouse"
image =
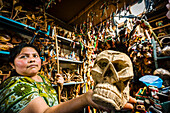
[{"x": 16, "y": 93}]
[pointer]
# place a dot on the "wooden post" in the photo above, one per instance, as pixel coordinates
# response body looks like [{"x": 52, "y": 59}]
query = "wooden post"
[{"x": 58, "y": 68}]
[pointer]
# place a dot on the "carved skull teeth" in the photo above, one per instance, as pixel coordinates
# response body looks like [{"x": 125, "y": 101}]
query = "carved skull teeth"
[
  {"x": 108, "y": 96},
  {"x": 112, "y": 71},
  {"x": 106, "y": 90}
]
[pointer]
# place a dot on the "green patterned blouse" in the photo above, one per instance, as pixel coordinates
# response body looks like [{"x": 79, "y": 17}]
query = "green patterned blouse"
[{"x": 16, "y": 93}]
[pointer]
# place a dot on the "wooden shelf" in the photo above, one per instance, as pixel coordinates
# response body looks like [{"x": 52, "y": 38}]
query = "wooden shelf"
[
  {"x": 165, "y": 57},
  {"x": 4, "y": 52},
  {"x": 70, "y": 83},
  {"x": 168, "y": 35},
  {"x": 70, "y": 60},
  {"x": 60, "y": 59},
  {"x": 157, "y": 19},
  {"x": 67, "y": 40},
  {"x": 161, "y": 26},
  {"x": 20, "y": 27}
]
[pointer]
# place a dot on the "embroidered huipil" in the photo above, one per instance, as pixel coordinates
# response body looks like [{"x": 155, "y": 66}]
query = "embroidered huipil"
[{"x": 16, "y": 93}]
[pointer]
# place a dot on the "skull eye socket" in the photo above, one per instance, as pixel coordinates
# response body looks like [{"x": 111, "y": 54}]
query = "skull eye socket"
[
  {"x": 119, "y": 66},
  {"x": 126, "y": 82},
  {"x": 102, "y": 63}
]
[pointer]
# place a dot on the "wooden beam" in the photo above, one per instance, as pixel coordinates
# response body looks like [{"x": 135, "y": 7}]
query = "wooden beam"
[
  {"x": 157, "y": 19},
  {"x": 166, "y": 25}
]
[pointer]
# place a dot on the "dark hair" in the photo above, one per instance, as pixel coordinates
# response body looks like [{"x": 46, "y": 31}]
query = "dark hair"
[{"x": 16, "y": 50}]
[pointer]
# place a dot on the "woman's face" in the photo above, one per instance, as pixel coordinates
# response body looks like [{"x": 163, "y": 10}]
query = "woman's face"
[{"x": 28, "y": 62}]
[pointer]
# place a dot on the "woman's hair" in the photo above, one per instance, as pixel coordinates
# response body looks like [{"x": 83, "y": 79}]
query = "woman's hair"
[{"x": 15, "y": 51}]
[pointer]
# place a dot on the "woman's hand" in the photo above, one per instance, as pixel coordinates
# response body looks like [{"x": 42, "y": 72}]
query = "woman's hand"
[
  {"x": 92, "y": 104},
  {"x": 59, "y": 80},
  {"x": 129, "y": 104},
  {"x": 88, "y": 96}
]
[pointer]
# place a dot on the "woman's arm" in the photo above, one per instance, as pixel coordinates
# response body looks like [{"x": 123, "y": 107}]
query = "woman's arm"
[
  {"x": 71, "y": 106},
  {"x": 38, "y": 105}
]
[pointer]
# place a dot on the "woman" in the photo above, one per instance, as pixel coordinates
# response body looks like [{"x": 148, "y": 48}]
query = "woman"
[{"x": 26, "y": 91}]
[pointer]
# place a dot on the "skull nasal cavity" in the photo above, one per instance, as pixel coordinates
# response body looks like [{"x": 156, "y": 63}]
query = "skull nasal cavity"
[{"x": 108, "y": 73}]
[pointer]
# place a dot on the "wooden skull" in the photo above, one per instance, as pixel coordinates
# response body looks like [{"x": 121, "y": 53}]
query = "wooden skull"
[{"x": 112, "y": 72}]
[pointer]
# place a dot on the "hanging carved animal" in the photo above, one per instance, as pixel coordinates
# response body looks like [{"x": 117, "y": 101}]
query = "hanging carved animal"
[{"x": 112, "y": 72}]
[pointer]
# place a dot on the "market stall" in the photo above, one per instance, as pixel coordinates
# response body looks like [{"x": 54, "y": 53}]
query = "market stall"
[{"x": 124, "y": 43}]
